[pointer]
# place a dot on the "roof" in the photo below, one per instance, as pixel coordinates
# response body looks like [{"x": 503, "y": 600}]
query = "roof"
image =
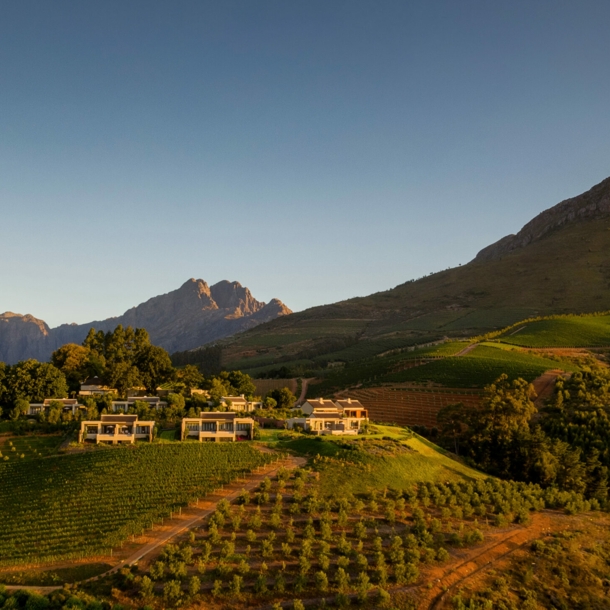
[
  {"x": 350, "y": 403},
  {"x": 219, "y": 415},
  {"x": 119, "y": 419},
  {"x": 63, "y": 401},
  {"x": 318, "y": 415},
  {"x": 320, "y": 402},
  {"x": 235, "y": 398}
]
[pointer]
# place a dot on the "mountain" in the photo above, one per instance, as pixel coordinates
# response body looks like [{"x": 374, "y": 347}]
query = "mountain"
[
  {"x": 190, "y": 316},
  {"x": 558, "y": 263}
]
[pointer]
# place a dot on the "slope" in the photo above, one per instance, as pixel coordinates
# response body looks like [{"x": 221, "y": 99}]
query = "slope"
[{"x": 558, "y": 267}]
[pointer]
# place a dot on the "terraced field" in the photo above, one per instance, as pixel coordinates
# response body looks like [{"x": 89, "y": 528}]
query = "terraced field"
[{"x": 412, "y": 406}]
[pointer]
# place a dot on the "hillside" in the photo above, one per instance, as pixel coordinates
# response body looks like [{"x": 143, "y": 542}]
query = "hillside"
[
  {"x": 557, "y": 264},
  {"x": 194, "y": 314}
]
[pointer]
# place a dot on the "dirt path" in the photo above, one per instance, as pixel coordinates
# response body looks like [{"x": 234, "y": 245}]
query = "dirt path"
[
  {"x": 304, "y": 385},
  {"x": 467, "y": 349},
  {"x": 447, "y": 579},
  {"x": 182, "y": 523},
  {"x": 544, "y": 385}
]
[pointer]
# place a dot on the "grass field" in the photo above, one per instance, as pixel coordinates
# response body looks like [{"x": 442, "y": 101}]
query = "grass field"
[
  {"x": 586, "y": 331},
  {"x": 25, "y": 448},
  {"x": 370, "y": 462}
]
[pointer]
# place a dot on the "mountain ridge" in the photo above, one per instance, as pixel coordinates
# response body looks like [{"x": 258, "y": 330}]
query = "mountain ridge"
[
  {"x": 193, "y": 314},
  {"x": 594, "y": 203}
]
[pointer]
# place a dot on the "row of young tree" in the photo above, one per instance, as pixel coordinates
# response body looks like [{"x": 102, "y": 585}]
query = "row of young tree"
[
  {"x": 508, "y": 437},
  {"x": 122, "y": 359}
]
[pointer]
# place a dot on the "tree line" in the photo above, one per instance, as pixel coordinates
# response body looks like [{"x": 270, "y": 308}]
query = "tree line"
[{"x": 121, "y": 359}]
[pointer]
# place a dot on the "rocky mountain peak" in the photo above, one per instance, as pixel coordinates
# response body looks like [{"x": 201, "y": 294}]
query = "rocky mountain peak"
[
  {"x": 185, "y": 318},
  {"x": 595, "y": 203}
]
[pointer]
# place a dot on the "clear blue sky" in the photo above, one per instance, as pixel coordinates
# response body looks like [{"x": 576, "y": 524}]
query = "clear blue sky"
[{"x": 313, "y": 151}]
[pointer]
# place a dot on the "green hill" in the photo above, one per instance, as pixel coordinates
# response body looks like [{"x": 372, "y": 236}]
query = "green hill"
[
  {"x": 388, "y": 457},
  {"x": 580, "y": 331},
  {"x": 557, "y": 264}
]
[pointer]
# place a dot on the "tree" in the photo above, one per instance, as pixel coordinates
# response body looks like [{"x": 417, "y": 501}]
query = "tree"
[
  {"x": 190, "y": 376},
  {"x": 20, "y": 408},
  {"x": 194, "y": 585},
  {"x": 33, "y": 381},
  {"x": 239, "y": 383},
  {"x": 154, "y": 365},
  {"x": 147, "y": 588},
  {"x": 74, "y": 362},
  {"x": 172, "y": 591},
  {"x": 451, "y": 424},
  {"x": 283, "y": 397},
  {"x": 123, "y": 376}
]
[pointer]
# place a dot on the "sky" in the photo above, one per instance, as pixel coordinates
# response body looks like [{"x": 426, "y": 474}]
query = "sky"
[{"x": 312, "y": 151}]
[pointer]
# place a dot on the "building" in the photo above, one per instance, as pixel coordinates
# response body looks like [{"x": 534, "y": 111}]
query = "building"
[
  {"x": 68, "y": 404},
  {"x": 217, "y": 426},
  {"x": 116, "y": 429},
  {"x": 327, "y": 417},
  {"x": 154, "y": 402},
  {"x": 318, "y": 404},
  {"x": 240, "y": 403},
  {"x": 93, "y": 386}
]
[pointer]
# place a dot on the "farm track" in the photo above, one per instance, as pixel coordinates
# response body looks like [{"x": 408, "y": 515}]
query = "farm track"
[
  {"x": 544, "y": 385},
  {"x": 180, "y": 524},
  {"x": 473, "y": 562}
]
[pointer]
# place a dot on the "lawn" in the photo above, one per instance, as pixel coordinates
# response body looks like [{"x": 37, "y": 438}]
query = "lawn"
[
  {"x": 586, "y": 331},
  {"x": 390, "y": 457}
]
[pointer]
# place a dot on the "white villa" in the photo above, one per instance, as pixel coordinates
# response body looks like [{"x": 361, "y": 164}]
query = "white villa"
[
  {"x": 116, "y": 429},
  {"x": 217, "y": 426},
  {"x": 240, "y": 403},
  {"x": 154, "y": 402},
  {"x": 327, "y": 417},
  {"x": 68, "y": 404}
]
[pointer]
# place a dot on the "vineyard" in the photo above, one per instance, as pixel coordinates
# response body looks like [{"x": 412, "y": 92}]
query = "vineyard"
[
  {"x": 478, "y": 368},
  {"x": 412, "y": 406},
  {"x": 85, "y": 504},
  {"x": 582, "y": 331}
]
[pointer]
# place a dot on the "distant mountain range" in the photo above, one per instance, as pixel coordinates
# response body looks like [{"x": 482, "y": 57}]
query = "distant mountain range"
[
  {"x": 192, "y": 315},
  {"x": 558, "y": 263}
]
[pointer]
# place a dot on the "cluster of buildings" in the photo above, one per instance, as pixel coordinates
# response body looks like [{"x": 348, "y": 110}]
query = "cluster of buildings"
[{"x": 320, "y": 416}]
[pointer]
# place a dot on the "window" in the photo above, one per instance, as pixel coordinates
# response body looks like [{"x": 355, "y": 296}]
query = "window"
[
  {"x": 226, "y": 426},
  {"x": 193, "y": 427},
  {"x": 208, "y": 426},
  {"x": 243, "y": 427}
]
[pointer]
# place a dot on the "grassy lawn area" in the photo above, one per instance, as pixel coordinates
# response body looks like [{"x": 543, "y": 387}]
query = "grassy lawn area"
[{"x": 390, "y": 457}]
